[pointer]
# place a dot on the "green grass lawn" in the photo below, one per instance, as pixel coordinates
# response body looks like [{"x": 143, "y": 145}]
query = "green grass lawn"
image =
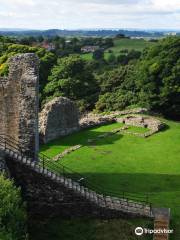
[
  {"x": 137, "y": 129},
  {"x": 121, "y": 44},
  {"x": 130, "y": 163},
  {"x": 129, "y": 44},
  {"x": 87, "y": 56}
]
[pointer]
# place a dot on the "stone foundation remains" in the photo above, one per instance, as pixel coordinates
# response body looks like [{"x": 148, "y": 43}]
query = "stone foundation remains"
[
  {"x": 92, "y": 120},
  {"x": 66, "y": 152},
  {"x": 142, "y": 121},
  {"x": 134, "y": 119}
]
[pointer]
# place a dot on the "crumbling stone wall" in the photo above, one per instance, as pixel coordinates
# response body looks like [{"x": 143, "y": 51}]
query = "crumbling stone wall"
[
  {"x": 59, "y": 117},
  {"x": 142, "y": 121},
  {"x": 19, "y": 102}
]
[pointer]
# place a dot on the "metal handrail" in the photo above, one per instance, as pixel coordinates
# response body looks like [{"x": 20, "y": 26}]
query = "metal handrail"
[
  {"x": 10, "y": 143},
  {"x": 60, "y": 170}
]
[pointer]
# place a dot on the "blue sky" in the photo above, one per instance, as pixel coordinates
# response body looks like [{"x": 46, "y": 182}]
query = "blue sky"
[{"x": 76, "y": 14}]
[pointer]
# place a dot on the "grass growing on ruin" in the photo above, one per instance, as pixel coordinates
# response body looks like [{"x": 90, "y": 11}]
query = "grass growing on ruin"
[
  {"x": 137, "y": 129},
  {"x": 130, "y": 163}
]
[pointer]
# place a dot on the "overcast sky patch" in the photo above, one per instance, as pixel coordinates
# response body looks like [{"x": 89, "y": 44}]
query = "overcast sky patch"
[{"x": 76, "y": 14}]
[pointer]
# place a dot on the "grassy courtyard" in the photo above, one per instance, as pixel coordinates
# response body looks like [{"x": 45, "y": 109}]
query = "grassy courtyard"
[{"x": 129, "y": 163}]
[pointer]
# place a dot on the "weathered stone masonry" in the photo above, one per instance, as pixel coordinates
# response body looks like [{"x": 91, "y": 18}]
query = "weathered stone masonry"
[
  {"x": 58, "y": 118},
  {"x": 19, "y": 102}
]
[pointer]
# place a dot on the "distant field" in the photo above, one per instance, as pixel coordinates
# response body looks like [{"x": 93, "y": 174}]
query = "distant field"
[
  {"x": 87, "y": 56},
  {"x": 121, "y": 44},
  {"x": 136, "y": 44}
]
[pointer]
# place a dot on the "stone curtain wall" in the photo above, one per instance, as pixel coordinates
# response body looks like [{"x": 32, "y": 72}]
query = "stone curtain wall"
[
  {"x": 58, "y": 118},
  {"x": 19, "y": 102},
  {"x": 2, "y": 105}
]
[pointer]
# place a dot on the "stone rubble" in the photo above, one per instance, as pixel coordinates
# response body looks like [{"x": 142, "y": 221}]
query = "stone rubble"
[
  {"x": 59, "y": 117},
  {"x": 91, "y": 120},
  {"x": 66, "y": 152},
  {"x": 154, "y": 125}
]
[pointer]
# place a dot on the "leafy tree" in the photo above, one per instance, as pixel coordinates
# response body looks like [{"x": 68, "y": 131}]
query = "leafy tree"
[
  {"x": 128, "y": 56},
  {"x": 111, "y": 59},
  {"x": 12, "y": 212},
  {"x": 117, "y": 100},
  {"x": 122, "y": 59},
  {"x": 120, "y": 35},
  {"x": 72, "y": 78},
  {"x": 157, "y": 77},
  {"x": 40, "y": 39},
  {"x": 117, "y": 89},
  {"x": 150, "y": 80},
  {"x": 98, "y": 54},
  {"x": 27, "y": 40},
  {"x": 47, "y": 60},
  {"x": 108, "y": 43}
]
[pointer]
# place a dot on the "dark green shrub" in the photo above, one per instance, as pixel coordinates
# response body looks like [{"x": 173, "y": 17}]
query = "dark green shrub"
[{"x": 12, "y": 212}]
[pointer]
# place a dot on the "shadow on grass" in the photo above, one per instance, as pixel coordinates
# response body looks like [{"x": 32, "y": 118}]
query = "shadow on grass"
[
  {"x": 135, "y": 182},
  {"x": 83, "y": 138},
  {"x": 165, "y": 128}
]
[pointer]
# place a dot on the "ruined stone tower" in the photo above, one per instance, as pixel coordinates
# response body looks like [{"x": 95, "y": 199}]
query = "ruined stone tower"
[
  {"x": 59, "y": 117},
  {"x": 19, "y": 102}
]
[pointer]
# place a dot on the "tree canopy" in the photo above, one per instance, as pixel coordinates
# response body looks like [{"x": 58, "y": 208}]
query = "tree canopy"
[
  {"x": 153, "y": 81},
  {"x": 110, "y": 81},
  {"x": 12, "y": 211},
  {"x": 157, "y": 77},
  {"x": 72, "y": 78}
]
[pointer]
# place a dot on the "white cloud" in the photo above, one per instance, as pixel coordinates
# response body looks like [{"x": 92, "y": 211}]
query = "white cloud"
[{"x": 90, "y": 13}]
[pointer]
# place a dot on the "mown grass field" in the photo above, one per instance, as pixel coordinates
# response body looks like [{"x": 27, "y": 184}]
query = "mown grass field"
[
  {"x": 130, "y": 44},
  {"x": 121, "y": 44},
  {"x": 129, "y": 163}
]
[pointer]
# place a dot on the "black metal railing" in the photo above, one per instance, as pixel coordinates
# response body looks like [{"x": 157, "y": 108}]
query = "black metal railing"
[
  {"x": 47, "y": 162},
  {"x": 80, "y": 182},
  {"x": 8, "y": 142}
]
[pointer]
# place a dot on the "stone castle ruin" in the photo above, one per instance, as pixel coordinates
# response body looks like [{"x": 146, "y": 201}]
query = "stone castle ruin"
[
  {"x": 58, "y": 118},
  {"x": 45, "y": 190},
  {"x": 19, "y": 102}
]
